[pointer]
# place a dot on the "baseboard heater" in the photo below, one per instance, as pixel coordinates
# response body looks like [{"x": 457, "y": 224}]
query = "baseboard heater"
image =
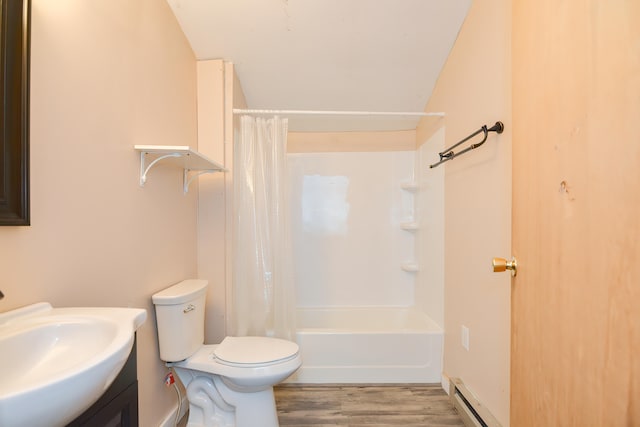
[{"x": 472, "y": 412}]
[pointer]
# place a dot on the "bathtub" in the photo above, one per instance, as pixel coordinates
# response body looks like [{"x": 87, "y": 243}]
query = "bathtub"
[{"x": 368, "y": 345}]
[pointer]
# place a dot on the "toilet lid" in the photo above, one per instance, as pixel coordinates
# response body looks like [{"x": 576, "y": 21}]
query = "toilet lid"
[{"x": 254, "y": 350}]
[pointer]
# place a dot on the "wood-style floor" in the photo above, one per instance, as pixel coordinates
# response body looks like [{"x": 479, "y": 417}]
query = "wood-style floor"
[{"x": 365, "y": 406}]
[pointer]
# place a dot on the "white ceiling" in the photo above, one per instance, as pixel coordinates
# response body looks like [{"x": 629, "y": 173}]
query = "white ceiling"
[{"x": 353, "y": 55}]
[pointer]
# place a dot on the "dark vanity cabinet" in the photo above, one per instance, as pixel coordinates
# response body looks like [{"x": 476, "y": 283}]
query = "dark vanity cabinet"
[{"x": 118, "y": 406}]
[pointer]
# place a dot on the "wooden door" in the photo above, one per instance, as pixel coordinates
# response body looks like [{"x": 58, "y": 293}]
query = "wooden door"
[{"x": 576, "y": 213}]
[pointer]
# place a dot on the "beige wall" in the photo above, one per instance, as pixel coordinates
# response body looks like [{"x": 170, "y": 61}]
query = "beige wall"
[
  {"x": 211, "y": 195},
  {"x": 106, "y": 74},
  {"x": 219, "y": 92},
  {"x": 474, "y": 89},
  {"x": 323, "y": 142}
]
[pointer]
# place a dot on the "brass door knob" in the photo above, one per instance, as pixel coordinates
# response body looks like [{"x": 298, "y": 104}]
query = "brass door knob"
[{"x": 501, "y": 264}]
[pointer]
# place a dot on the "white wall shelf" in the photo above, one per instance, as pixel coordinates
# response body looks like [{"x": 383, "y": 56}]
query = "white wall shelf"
[
  {"x": 409, "y": 226},
  {"x": 410, "y": 186},
  {"x": 410, "y": 267},
  {"x": 193, "y": 163}
]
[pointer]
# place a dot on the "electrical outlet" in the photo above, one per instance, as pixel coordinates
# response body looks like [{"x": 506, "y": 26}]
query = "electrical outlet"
[{"x": 465, "y": 337}]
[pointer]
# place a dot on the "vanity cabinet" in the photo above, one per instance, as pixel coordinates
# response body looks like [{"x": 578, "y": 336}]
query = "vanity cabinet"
[{"x": 118, "y": 406}]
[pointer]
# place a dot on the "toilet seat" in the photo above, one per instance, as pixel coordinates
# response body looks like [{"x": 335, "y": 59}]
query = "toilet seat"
[
  {"x": 205, "y": 360},
  {"x": 252, "y": 351}
]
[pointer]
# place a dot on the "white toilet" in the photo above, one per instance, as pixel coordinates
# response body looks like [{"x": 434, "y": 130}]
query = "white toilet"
[{"x": 228, "y": 384}]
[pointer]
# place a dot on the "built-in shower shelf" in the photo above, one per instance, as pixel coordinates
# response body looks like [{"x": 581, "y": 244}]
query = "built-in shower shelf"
[
  {"x": 411, "y": 267},
  {"x": 411, "y": 186},
  {"x": 409, "y": 226},
  {"x": 193, "y": 163}
]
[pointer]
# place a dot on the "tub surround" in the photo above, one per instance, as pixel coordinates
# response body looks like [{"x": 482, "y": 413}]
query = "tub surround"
[
  {"x": 346, "y": 216},
  {"x": 362, "y": 298}
]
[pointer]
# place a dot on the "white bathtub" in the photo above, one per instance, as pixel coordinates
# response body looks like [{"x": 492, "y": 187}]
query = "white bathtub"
[{"x": 368, "y": 345}]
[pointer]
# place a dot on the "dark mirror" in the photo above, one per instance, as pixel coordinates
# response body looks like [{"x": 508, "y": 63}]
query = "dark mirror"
[{"x": 14, "y": 112}]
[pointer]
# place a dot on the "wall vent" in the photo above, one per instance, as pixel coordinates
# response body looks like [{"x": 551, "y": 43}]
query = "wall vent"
[{"x": 472, "y": 412}]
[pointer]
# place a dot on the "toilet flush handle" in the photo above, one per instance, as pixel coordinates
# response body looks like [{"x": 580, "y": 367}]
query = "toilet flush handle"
[{"x": 189, "y": 308}]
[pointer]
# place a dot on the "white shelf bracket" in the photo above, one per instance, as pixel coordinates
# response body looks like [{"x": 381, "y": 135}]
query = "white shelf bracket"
[
  {"x": 144, "y": 171},
  {"x": 192, "y": 163},
  {"x": 186, "y": 179}
]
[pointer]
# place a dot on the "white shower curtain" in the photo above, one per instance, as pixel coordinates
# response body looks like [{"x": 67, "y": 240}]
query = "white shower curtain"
[{"x": 263, "y": 290}]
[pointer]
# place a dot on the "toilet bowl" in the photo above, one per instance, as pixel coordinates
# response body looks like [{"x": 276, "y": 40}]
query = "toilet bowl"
[{"x": 228, "y": 384}]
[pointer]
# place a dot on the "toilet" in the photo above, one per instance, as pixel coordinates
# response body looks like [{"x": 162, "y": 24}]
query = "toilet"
[{"x": 228, "y": 384}]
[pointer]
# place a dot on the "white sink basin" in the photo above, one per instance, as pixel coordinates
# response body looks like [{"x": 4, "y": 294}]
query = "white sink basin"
[{"x": 56, "y": 362}]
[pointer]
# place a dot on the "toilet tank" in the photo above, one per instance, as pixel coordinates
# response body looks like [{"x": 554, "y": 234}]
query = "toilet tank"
[{"x": 180, "y": 319}]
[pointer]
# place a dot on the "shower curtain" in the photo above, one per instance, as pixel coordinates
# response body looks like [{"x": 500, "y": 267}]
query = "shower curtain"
[{"x": 263, "y": 289}]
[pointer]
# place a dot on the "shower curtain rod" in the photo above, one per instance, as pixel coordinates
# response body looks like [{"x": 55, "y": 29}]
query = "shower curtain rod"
[{"x": 336, "y": 113}]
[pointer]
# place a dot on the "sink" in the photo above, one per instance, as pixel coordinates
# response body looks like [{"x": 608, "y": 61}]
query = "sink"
[{"x": 56, "y": 362}]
